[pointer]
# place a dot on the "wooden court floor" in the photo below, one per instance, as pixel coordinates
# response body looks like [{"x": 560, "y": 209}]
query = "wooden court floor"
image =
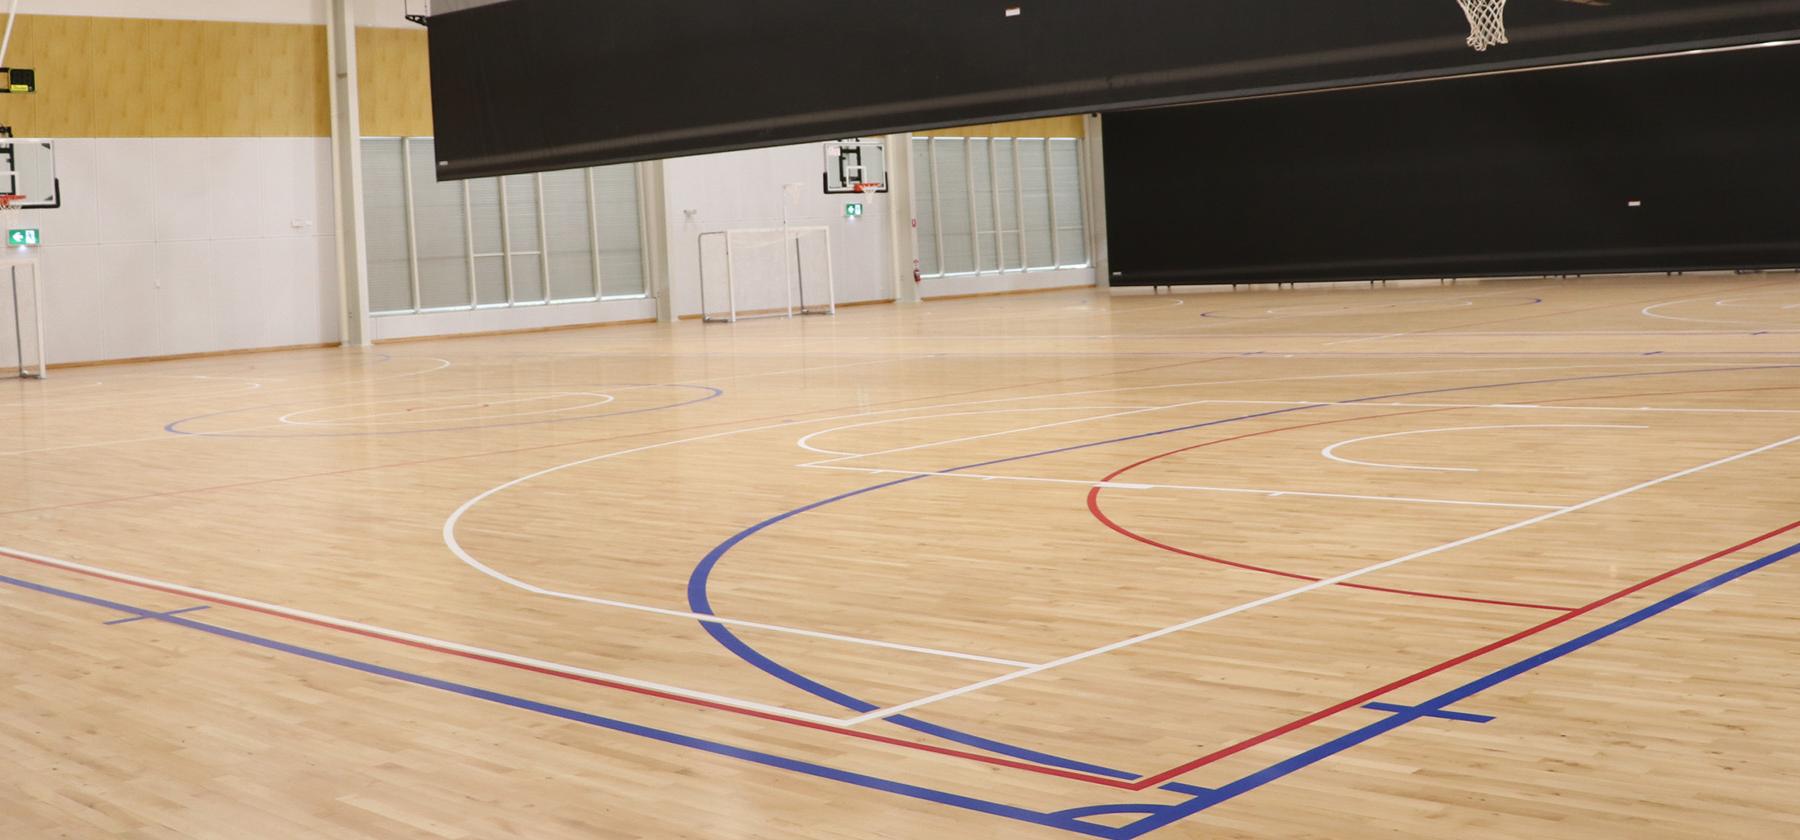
[{"x": 1487, "y": 560}]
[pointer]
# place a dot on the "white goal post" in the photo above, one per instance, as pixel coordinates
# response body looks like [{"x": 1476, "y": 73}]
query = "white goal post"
[
  {"x": 766, "y": 273},
  {"x": 26, "y": 301}
]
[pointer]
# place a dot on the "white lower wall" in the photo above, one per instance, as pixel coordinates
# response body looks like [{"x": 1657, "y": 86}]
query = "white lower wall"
[
  {"x": 463, "y": 321},
  {"x": 185, "y": 245},
  {"x": 744, "y": 190},
  {"x": 1011, "y": 281}
]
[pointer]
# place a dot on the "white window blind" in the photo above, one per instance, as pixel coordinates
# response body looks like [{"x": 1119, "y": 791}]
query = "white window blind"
[
  {"x": 575, "y": 235},
  {"x": 1065, "y": 191},
  {"x": 955, "y": 214},
  {"x": 440, "y": 232},
  {"x": 925, "y": 207},
  {"x": 987, "y": 205},
  {"x": 524, "y": 243},
  {"x": 570, "y": 234},
  {"x": 384, "y": 219},
  {"x": 619, "y": 227}
]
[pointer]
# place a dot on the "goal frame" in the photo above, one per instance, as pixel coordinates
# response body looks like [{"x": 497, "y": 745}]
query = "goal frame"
[
  {"x": 12, "y": 266},
  {"x": 794, "y": 284}
]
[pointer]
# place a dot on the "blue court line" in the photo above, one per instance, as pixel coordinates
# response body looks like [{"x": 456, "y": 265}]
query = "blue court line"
[
  {"x": 157, "y": 615},
  {"x": 1449, "y": 698},
  {"x": 711, "y": 393},
  {"x": 699, "y": 599},
  {"x": 1066, "y": 820},
  {"x": 652, "y": 733},
  {"x": 1396, "y": 708}
]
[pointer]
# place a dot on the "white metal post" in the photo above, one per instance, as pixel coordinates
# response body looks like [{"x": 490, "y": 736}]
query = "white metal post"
[
  {"x": 347, "y": 170},
  {"x": 1019, "y": 204},
  {"x": 1050, "y": 196},
  {"x": 593, "y": 210},
  {"x": 412, "y": 226},
  {"x": 730, "y": 280},
  {"x": 506, "y": 246},
  {"x": 830, "y": 276},
  {"x": 937, "y": 207},
  {"x": 994, "y": 202},
  {"x": 974, "y": 217},
  {"x": 1094, "y": 191},
  {"x": 469, "y": 246},
  {"x": 543, "y": 238}
]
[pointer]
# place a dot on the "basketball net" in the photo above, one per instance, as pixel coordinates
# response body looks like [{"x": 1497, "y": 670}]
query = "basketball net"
[{"x": 1487, "y": 22}]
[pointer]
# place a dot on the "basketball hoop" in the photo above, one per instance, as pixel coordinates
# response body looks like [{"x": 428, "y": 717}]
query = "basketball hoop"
[
  {"x": 866, "y": 188},
  {"x": 1487, "y": 22}
]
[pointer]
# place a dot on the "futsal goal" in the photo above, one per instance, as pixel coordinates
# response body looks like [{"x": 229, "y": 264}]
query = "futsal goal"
[
  {"x": 21, "y": 307},
  {"x": 766, "y": 273}
]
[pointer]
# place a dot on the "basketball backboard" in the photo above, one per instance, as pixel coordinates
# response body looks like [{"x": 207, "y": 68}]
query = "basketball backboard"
[
  {"x": 855, "y": 166},
  {"x": 28, "y": 170}
]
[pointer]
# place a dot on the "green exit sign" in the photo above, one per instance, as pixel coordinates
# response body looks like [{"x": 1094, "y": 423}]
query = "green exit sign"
[
  {"x": 23, "y": 237},
  {"x": 852, "y": 211}
]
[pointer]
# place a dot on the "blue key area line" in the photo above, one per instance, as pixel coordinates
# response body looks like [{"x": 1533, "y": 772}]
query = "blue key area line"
[
  {"x": 1070, "y": 820},
  {"x": 1465, "y": 717},
  {"x": 156, "y": 615},
  {"x": 700, "y": 579}
]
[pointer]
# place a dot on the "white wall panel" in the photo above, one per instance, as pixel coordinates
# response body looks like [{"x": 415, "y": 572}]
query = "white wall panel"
[
  {"x": 172, "y": 246},
  {"x": 124, "y": 191},
  {"x": 743, "y": 190}
]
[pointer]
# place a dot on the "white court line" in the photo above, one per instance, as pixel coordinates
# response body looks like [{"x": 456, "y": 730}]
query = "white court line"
[
  {"x": 1515, "y": 406},
  {"x": 903, "y": 708},
  {"x": 1129, "y": 485},
  {"x": 848, "y": 456},
  {"x": 1651, "y": 311},
  {"x": 402, "y": 636},
  {"x": 806, "y": 442},
  {"x": 1330, "y": 451},
  {"x": 456, "y": 548}
]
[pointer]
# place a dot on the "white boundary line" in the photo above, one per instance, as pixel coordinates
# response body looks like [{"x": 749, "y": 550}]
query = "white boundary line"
[
  {"x": 1331, "y": 451},
  {"x": 456, "y": 548},
  {"x": 1651, "y": 311},
  {"x": 849, "y": 456},
  {"x": 903, "y": 708},
  {"x": 1515, "y": 406},
  {"x": 806, "y": 442},
  {"x": 401, "y": 636}
]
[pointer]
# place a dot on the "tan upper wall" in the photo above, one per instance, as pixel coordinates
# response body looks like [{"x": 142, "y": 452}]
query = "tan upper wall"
[
  {"x": 124, "y": 77},
  {"x": 131, "y": 77},
  {"x": 1046, "y": 127},
  {"x": 394, "y": 68},
  {"x": 128, "y": 77}
]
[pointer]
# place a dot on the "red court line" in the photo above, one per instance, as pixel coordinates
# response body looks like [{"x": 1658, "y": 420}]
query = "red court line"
[
  {"x": 1093, "y": 499},
  {"x": 1093, "y": 506},
  {"x": 1357, "y": 701},
  {"x": 837, "y": 730},
  {"x": 1142, "y": 784}
]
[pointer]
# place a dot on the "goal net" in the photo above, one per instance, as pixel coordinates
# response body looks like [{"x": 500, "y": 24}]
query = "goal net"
[
  {"x": 766, "y": 273},
  {"x": 21, "y": 315}
]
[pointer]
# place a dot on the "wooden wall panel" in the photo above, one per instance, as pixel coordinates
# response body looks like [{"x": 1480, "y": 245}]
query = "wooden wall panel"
[
  {"x": 1046, "y": 127},
  {"x": 393, "y": 66},
  {"x": 128, "y": 77}
]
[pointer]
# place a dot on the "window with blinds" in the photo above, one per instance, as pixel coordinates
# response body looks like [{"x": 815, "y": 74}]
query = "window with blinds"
[
  {"x": 989, "y": 205},
  {"x": 555, "y": 237}
]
